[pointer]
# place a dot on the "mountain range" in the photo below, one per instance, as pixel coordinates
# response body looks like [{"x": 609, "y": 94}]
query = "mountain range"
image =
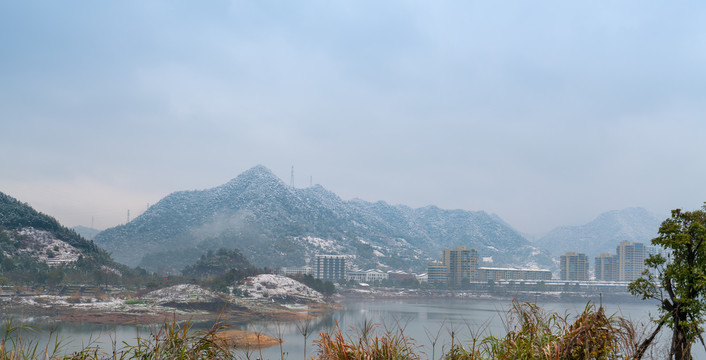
[
  {"x": 603, "y": 234},
  {"x": 275, "y": 225}
]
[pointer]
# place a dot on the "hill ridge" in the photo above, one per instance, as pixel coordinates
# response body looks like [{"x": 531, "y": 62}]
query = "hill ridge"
[
  {"x": 602, "y": 234},
  {"x": 277, "y": 225}
]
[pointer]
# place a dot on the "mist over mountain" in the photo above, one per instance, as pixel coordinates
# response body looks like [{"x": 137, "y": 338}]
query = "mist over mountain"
[
  {"x": 86, "y": 232},
  {"x": 603, "y": 234},
  {"x": 275, "y": 225}
]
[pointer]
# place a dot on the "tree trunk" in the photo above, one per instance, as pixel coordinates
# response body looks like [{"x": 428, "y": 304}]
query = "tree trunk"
[{"x": 681, "y": 346}]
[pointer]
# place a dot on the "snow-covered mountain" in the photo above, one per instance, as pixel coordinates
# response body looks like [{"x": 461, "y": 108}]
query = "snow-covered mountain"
[
  {"x": 603, "y": 234},
  {"x": 275, "y": 225},
  {"x": 32, "y": 243}
]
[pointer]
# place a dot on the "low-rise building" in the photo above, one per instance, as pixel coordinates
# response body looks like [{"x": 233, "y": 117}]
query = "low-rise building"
[
  {"x": 297, "y": 271},
  {"x": 512, "y": 274},
  {"x": 366, "y": 276}
]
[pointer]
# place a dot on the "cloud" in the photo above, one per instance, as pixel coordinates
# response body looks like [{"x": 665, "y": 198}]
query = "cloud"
[{"x": 542, "y": 113}]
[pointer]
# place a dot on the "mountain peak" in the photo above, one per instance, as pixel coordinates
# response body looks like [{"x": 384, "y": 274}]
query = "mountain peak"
[
  {"x": 258, "y": 177},
  {"x": 603, "y": 233},
  {"x": 258, "y": 172}
]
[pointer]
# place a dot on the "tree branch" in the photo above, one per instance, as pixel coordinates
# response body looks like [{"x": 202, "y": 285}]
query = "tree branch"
[{"x": 642, "y": 348}]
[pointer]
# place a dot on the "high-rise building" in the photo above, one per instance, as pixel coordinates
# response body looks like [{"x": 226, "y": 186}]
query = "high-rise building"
[
  {"x": 605, "y": 267},
  {"x": 330, "y": 267},
  {"x": 630, "y": 260},
  {"x": 574, "y": 266},
  {"x": 461, "y": 265}
]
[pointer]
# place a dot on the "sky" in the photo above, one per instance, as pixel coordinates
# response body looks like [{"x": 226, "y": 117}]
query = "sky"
[{"x": 546, "y": 113}]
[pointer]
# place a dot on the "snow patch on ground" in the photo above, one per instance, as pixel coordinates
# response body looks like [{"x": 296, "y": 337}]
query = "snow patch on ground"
[
  {"x": 184, "y": 293},
  {"x": 270, "y": 285},
  {"x": 111, "y": 270},
  {"x": 326, "y": 245},
  {"x": 45, "y": 247},
  {"x": 85, "y": 303}
]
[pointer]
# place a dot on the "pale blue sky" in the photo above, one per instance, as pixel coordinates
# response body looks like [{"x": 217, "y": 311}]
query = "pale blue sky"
[{"x": 545, "y": 113}]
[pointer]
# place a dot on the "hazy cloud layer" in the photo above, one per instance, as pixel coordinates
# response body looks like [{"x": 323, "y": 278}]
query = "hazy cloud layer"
[{"x": 544, "y": 113}]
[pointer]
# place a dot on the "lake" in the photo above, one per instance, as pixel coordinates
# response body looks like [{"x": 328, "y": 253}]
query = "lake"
[{"x": 422, "y": 319}]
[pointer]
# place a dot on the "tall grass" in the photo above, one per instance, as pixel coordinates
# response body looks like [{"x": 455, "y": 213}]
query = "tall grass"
[
  {"x": 533, "y": 333},
  {"x": 171, "y": 341},
  {"x": 19, "y": 343},
  {"x": 367, "y": 342}
]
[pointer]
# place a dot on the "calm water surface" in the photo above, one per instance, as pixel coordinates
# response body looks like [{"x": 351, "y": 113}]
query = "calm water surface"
[{"x": 424, "y": 320}]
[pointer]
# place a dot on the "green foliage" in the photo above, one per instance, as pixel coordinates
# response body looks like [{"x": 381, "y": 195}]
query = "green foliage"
[
  {"x": 171, "y": 261},
  {"x": 16, "y": 215},
  {"x": 221, "y": 283},
  {"x": 21, "y": 268},
  {"x": 326, "y": 288},
  {"x": 678, "y": 280},
  {"x": 135, "y": 301},
  {"x": 220, "y": 269},
  {"x": 218, "y": 263}
]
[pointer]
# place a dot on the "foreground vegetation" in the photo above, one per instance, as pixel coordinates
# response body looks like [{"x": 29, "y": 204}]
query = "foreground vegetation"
[
  {"x": 677, "y": 280},
  {"x": 532, "y": 333},
  {"x": 170, "y": 341}
]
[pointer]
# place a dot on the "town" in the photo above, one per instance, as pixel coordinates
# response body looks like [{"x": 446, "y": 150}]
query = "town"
[{"x": 460, "y": 269}]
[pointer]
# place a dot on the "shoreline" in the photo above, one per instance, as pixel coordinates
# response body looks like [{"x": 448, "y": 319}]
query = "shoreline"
[
  {"x": 117, "y": 311},
  {"x": 120, "y": 312},
  {"x": 124, "y": 312},
  {"x": 524, "y": 296}
]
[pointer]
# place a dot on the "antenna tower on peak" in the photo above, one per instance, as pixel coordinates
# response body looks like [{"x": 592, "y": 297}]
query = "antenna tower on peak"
[
  {"x": 128, "y": 215},
  {"x": 291, "y": 181}
]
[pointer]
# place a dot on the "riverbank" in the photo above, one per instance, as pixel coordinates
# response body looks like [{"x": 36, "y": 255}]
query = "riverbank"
[
  {"x": 190, "y": 302},
  {"x": 500, "y": 295},
  {"x": 177, "y": 303},
  {"x": 120, "y": 311},
  {"x": 259, "y": 321}
]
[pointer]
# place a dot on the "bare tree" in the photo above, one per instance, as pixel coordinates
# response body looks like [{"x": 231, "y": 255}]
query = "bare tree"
[
  {"x": 303, "y": 328},
  {"x": 434, "y": 338}
]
